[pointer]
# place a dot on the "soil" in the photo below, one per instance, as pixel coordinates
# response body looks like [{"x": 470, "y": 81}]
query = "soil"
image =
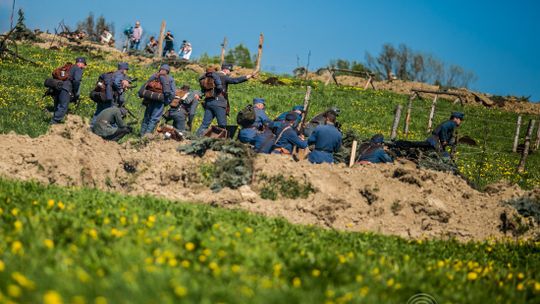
[{"x": 396, "y": 199}]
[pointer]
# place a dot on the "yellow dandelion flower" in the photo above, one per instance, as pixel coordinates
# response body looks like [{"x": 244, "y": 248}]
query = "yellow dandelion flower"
[
  {"x": 50, "y": 203},
  {"x": 180, "y": 291},
  {"x": 390, "y": 282},
  {"x": 471, "y": 276},
  {"x": 235, "y": 268},
  {"x": 185, "y": 263},
  {"x": 190, "y": 246},
  {"x": 16, "y": 247},
  {"x": 536, "y": 286},
  {"x": 52, "y": 297},
  {"x": 61, "y": 205},
  {"x": 519, "y": 286},
  {"x": 48, "y": 243},
  {"x": 316, "y": 273},
  {"x": 100, "y": 300},
  {"x": 248, "y": 230},
  {"x": 297, "y": 282},
  {"x": 22, "y": 280},
  {"x": 14, "y": 291},
  {"x": 364, "y": 291},
  {"x": 2, "y": 266}
]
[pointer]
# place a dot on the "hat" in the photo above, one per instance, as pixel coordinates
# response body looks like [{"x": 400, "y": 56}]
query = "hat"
[
  {"x": 336, "y": 110},
  {"x": 298, "y": 108},
  {"x": 123, "y": 66},
  {"x": 290, "y": 117},
  {"x": 459, "y": 115},
  {"x": 80, "y": 59},
  {"x": 165, "y": 67},
  {"x": 258, "y": 100},
  {"x": 227, "y": 66},
  {"x": 377, "y": 139}
]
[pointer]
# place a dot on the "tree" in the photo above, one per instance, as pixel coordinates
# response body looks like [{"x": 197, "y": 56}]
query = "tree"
[
  {"x": 387, "y": 59},
  {"x": 208, "y": 60},
  {"x": 21, "y": 31},
  {"x": 240, "y": 56}
]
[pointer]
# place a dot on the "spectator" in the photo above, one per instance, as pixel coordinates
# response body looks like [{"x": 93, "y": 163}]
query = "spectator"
[
  {"x": 185, "y": 50},
  {"x": 169, "y": 44},
  {"x": 106, "y": 38},
  {"x": 151, "y": 47},
  {"x": 136, "y": 36}
]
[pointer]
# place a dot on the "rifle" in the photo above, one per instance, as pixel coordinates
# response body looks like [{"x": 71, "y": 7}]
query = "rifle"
[
  {"x": 131, "y": 114},
  {"x": 300, "y": 154}
]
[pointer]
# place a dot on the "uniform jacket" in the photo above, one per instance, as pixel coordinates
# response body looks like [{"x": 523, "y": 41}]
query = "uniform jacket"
[
  {"x": 375, "y": 154},
  {"x": 247, "y": 135},
  {"x": 226, "y": 80},
  {"x": 73, "y": 84},
  {"x": 327, "y": 140},
  {"x": 169, "y": 88},
  {"x": 219, "y": 100},
  {"x": 289, "y": 139},
  {"x": 108, "y": 122}
]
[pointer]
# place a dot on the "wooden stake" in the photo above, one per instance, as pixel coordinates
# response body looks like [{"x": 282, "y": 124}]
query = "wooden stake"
[
  {"x": 160, "y": 40},
  {"x": 259, "y": 54},
  {"x": 537, "y": 141},
  {"x": 223, "y": 47},
  {"x": 432, "y": 113},
  {"x": 397, "y": 117},
  {"x": 353, "y": 153},
  {"x": 408, "y": 115},
  {"x": 525, "y": 152},
  {"x": 516, "y": 136}
]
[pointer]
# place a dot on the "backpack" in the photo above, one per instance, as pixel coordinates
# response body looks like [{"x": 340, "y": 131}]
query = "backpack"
[
  {"x": 155, "y": 85},
  {"x": 62, "y": 73},
  {"x": 208, "y": 85},
  {"x": 246, "y": 117},
  {"x": 103, "y": 80}
]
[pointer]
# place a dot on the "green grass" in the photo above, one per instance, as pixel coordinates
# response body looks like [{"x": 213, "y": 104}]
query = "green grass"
[
  {"x": 85, "y": 245},
  {"x": 367, "y": 112}
]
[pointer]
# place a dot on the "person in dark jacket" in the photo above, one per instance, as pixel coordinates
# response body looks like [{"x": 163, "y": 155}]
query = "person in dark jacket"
[
  {"x": 169, "y": 44},
  {"x": 70, "y": 91},
  {"x": 215, "y": 105},
  {"x": 264, "y": 140},
  {"x": 327, "y": 140},
  {"x": 115, "y": 86},
  {"x": 182, "y": 106},
  {"x": 320, "y": 119},
  {"x": 443, "y": 135},
  {"x": 110, "y": 124},
  {"x": 247, "y": 134},
  {"x": 287, "y": 138},
  {"x": 154, "y": 108},
  {"x": 280, "y": 119},
  {"x": 374, "y": 153}
]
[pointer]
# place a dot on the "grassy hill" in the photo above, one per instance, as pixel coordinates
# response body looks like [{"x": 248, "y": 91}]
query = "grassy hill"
[
  {"x": 364, "y": 111},
  {"x": 84, "y": 246}
]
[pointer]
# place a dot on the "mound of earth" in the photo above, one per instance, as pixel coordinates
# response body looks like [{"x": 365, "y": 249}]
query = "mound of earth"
[{"x": 394, "y": 199}]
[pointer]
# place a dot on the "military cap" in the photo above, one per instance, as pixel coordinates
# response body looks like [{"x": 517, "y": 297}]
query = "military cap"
[
  {"x": 258, "y": 100},
  {"x": 123, "y": 66},
  {"x": 298, "y": 108},
  {"x": 227, "y": 66},
  {"x": 80, "y": 59},
  {"x": 165, "y": 67},
  {"x": 290, "y": 117},
  {"x": 377, "y": 139},
  {"x": 459, "y": 115}
]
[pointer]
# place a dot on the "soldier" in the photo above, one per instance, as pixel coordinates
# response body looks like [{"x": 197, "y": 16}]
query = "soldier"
[
  {"x": 116, "y": 84},
  {"x": 327, "y": 140},
  {"x": 287, "y": 138},
  {"x": 215, "y": 104},
  {"x": 154, "y": 108},
  {"x": 70, "y": 90},
  {"x": 443, "y": 135},
  {"x": 247, "y": 134},
  {"x": 320, "y": 119},
  {"x": 374, "y": 153},
  {"x": 184, "y": 103},
  {"x": 264, "y": 140},
  {"x": 110, "y": 124},
  {"x": 297, "y": 110}
]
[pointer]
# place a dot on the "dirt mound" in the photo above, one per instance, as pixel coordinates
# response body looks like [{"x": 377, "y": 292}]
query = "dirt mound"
[{"x": 392, "y": 199}]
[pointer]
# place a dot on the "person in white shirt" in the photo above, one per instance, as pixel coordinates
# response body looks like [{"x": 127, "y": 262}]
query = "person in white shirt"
[
  {"x": 136, "y": 36},
  {"x": 185, "y": 50}
]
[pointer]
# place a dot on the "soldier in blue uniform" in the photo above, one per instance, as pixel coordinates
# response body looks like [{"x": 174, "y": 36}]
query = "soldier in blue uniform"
[
  {"x": 247, "y": 134},
  {"x": 287, "y": 137},
  {"x": 374, "y": 152},
  {"x": 154, "y": 108},
  {"x": 180, "y": 111},
  {"x": 264, "y": 140},
  {"x": 215, "y": 104},
  {"x": 115, "y": 86},
  {"x": 327, "y": 140},
  {"x": 443, "y": 135},
  {"x": 70, "y": 90},
  {"x": 297, "y": 110},
  {"x": 214, "y": 108}
]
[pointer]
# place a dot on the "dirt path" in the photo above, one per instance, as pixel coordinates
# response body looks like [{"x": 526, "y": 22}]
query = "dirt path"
[{"x": 391, "y": 199}]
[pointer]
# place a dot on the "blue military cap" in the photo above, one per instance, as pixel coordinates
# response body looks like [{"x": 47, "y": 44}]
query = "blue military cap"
[
  {"x": 227, "y": 66},
  {"x": 123, "y": 66},
  {"x": 459, "y": 115},
  {"x": 165, "y": 67},
  {"x": 377, "y": 139},
  {"x": 298, "y": 108},
  {"x": 80, "y": 59},
  {"x": 258, "y": 100},
  {"x": 290, "y": 117}
]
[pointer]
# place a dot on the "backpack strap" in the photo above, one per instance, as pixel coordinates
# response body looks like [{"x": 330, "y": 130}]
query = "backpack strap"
[{"x": 281, "y": 134}]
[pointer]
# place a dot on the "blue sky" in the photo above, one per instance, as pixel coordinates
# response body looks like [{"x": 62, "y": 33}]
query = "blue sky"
[{"x": 498, "y": 40}]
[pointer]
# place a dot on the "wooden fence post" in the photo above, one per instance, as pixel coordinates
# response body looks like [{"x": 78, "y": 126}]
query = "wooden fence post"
[
  {"x": 259, "y": 54},
  {"x": 516, "y": 137},
  {"x": 525, "y": 152},
  {"x": 397, "y": 117},
  {"x": 223, "y": 47},
  {"x": 353, "y": 153},
  {"x": 537, "y": 141},
  {"x": 160, "y": 40},
  {"x": 432, "y": 113},
  {"x": 408, "y": 115}
]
